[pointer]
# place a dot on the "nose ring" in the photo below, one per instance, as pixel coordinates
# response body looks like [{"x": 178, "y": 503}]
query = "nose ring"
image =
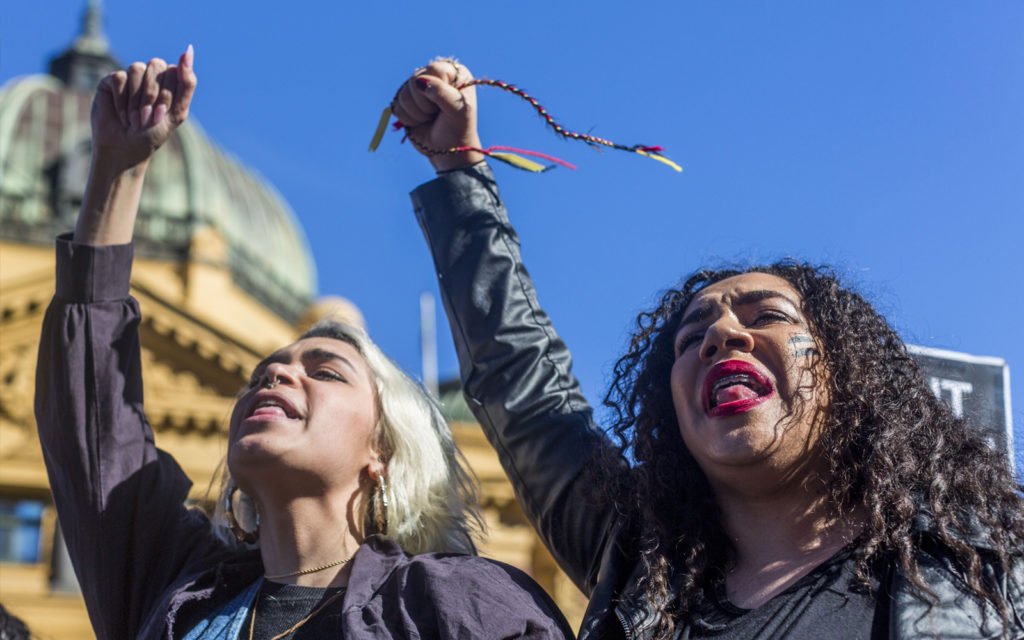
[{"x": 270, "y": 384}]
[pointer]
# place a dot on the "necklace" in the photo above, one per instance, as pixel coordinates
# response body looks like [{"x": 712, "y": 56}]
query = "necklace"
[
  {"x": 302, "y": 572},
  {"x": 297, "y": 625}
]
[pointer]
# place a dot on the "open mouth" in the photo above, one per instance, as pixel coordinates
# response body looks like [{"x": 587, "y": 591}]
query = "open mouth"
[
  {"x": 270, "y": 406},
  {"x": 734, "y": 386}
]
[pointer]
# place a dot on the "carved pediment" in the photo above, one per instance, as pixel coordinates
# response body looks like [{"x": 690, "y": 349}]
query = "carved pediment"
[
  {"x": 192, "y": 372},
  {"x": 21, "y": 314}
]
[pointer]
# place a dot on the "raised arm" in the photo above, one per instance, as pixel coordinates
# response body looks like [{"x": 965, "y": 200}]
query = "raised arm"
[
  {"x": 134, "y": 113},
  {"x": 516, "y": 371},
  {"x": 121, "y": 501}
]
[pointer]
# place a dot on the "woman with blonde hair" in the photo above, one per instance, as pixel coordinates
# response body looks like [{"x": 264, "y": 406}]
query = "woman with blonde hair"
[{"x": 346, "y": 511}]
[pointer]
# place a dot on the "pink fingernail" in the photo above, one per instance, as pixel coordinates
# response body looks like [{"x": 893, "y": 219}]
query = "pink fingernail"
[
  {"x": 144, "y": 113},
  {"x": 422, "y": 83},
  {"x": 158, "y": 113},
  {"x": 189, "y": 55}
]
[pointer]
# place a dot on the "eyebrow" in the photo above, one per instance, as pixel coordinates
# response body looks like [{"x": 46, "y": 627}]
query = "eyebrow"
[
  {"x": 323, "y": 354},
  {"x": 750, "y": 297},
  {"x": 316, "y": 354}
]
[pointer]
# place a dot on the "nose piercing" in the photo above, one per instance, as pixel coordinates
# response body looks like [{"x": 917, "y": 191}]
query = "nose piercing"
[{"x": 270, "y": 384}]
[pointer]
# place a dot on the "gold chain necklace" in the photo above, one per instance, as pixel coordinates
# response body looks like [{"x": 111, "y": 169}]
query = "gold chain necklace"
[
  {"x": 302, "y": 572},
  {"x": 297, "y": 625}
]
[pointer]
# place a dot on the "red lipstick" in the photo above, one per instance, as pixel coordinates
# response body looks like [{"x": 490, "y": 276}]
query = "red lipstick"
[{"x": 734, "y": 386}]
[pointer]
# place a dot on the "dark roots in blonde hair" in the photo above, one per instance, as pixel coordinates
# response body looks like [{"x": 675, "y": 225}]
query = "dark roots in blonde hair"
[{"x": 893, "y": 450}]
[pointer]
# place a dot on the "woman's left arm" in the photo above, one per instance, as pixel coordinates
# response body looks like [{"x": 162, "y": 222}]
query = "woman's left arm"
[{"x": 121, "y": 501}]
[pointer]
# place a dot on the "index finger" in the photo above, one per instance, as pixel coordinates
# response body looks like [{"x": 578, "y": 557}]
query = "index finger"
[
  {"x": 444, "y": 68},
  {"x": 114, "y": 84}
]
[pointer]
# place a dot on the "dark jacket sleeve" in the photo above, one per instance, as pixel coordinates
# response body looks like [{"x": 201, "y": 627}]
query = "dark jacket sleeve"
[
  {"x": 119, "y": 499},
  {"x": 516, "y": 371}
]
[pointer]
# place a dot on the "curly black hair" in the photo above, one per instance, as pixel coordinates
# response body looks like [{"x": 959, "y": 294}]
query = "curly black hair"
[{"x": 894, "y": 452}]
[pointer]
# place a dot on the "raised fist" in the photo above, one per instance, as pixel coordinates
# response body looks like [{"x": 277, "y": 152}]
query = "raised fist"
[
  {"x": 438, "y": 115},
  {"x": 135, "y": 111}
]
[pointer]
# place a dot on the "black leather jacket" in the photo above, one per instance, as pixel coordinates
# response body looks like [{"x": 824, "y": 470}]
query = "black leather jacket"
[{"x": 517, "y": 377}]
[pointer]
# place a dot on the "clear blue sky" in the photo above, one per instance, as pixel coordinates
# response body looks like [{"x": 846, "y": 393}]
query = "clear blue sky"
[{"x": 883, "y": 137}]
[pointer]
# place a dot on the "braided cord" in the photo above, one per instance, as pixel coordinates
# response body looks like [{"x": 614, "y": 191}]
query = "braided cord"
[
  {"x": 513, "y": 156},
  {"x": 539, "y": 108}
]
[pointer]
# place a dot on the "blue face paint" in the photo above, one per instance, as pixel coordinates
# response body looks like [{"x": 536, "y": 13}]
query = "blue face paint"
[{"x": 803, "y": 345}]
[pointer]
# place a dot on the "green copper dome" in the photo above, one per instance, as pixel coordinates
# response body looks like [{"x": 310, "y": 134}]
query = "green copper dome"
[{"x": 191, "y": 183}]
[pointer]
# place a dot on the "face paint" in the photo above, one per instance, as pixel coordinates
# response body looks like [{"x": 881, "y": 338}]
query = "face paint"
[{"x": 803, "y": 345}]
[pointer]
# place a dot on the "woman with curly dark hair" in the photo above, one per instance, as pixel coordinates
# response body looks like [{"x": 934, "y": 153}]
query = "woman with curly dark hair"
[{"x": 778, "y": 468}]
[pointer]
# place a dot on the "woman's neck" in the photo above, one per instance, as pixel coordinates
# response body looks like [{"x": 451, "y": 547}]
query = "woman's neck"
[
  {"x": 305, "y": 533},
  {"x": 780, "y": 537}
]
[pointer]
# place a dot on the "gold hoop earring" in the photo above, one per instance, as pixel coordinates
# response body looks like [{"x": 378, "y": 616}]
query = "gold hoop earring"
[
  {"x": 380, "y": 506},
  {"x": 248, "y": 537}
]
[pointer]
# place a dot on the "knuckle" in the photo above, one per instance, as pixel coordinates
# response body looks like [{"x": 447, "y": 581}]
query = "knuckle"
[
  {"x": 137, "y": 67},
  {"x": 437, "y": 67},
  {"x": 157, "y": 62}
]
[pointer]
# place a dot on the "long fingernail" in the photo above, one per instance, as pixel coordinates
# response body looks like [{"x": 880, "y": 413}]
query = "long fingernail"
[
  {"x": 158, "y": 113},
  {"x": 144, "y": 113},
  {"x": 422, "y": 83},
  {"x": 189, "y": 55}
]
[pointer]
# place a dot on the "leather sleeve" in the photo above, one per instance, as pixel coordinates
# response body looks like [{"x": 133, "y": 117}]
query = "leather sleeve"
[
  {"x": 952, "y": 610},
  {"x": 516, "y": 371}
]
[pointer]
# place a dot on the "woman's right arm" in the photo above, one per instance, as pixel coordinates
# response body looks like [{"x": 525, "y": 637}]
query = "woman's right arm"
[
  {"x": 120, "y": 500},
  {"x": 515, "y": 369}
]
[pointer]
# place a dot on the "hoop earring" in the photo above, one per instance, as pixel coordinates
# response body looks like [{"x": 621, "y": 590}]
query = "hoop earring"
[
  {"x": 248, "y": 537},
  {"x": 380, "y": 506}
]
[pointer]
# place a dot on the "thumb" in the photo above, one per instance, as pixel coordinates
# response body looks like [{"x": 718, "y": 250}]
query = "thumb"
[{"x": 447, "y": 98}]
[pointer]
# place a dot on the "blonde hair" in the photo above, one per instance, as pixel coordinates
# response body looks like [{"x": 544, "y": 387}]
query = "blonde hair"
[{"x": 432, "y": 497}]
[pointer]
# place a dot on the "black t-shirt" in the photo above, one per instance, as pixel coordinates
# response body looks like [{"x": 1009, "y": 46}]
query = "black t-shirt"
[
  {"x": 279, "y": 606},
  {"x": 826, "y": 603}
]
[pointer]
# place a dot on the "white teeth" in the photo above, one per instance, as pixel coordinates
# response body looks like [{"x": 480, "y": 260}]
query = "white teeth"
[
  {"x": 736, "y": 378},
  {"x": 270, "y": 402}
]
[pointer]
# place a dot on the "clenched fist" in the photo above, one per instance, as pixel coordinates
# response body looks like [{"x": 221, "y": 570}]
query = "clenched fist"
[
  {"x": 133, "y": 113},
  {"x": 135, "y": 110},
  {"x": 438, "y": 115}
]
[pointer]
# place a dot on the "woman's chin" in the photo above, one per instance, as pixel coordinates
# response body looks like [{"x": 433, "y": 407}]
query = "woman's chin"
[
  {"x": 257, "y": 448},
  {"x": 736, "y": 444}
]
